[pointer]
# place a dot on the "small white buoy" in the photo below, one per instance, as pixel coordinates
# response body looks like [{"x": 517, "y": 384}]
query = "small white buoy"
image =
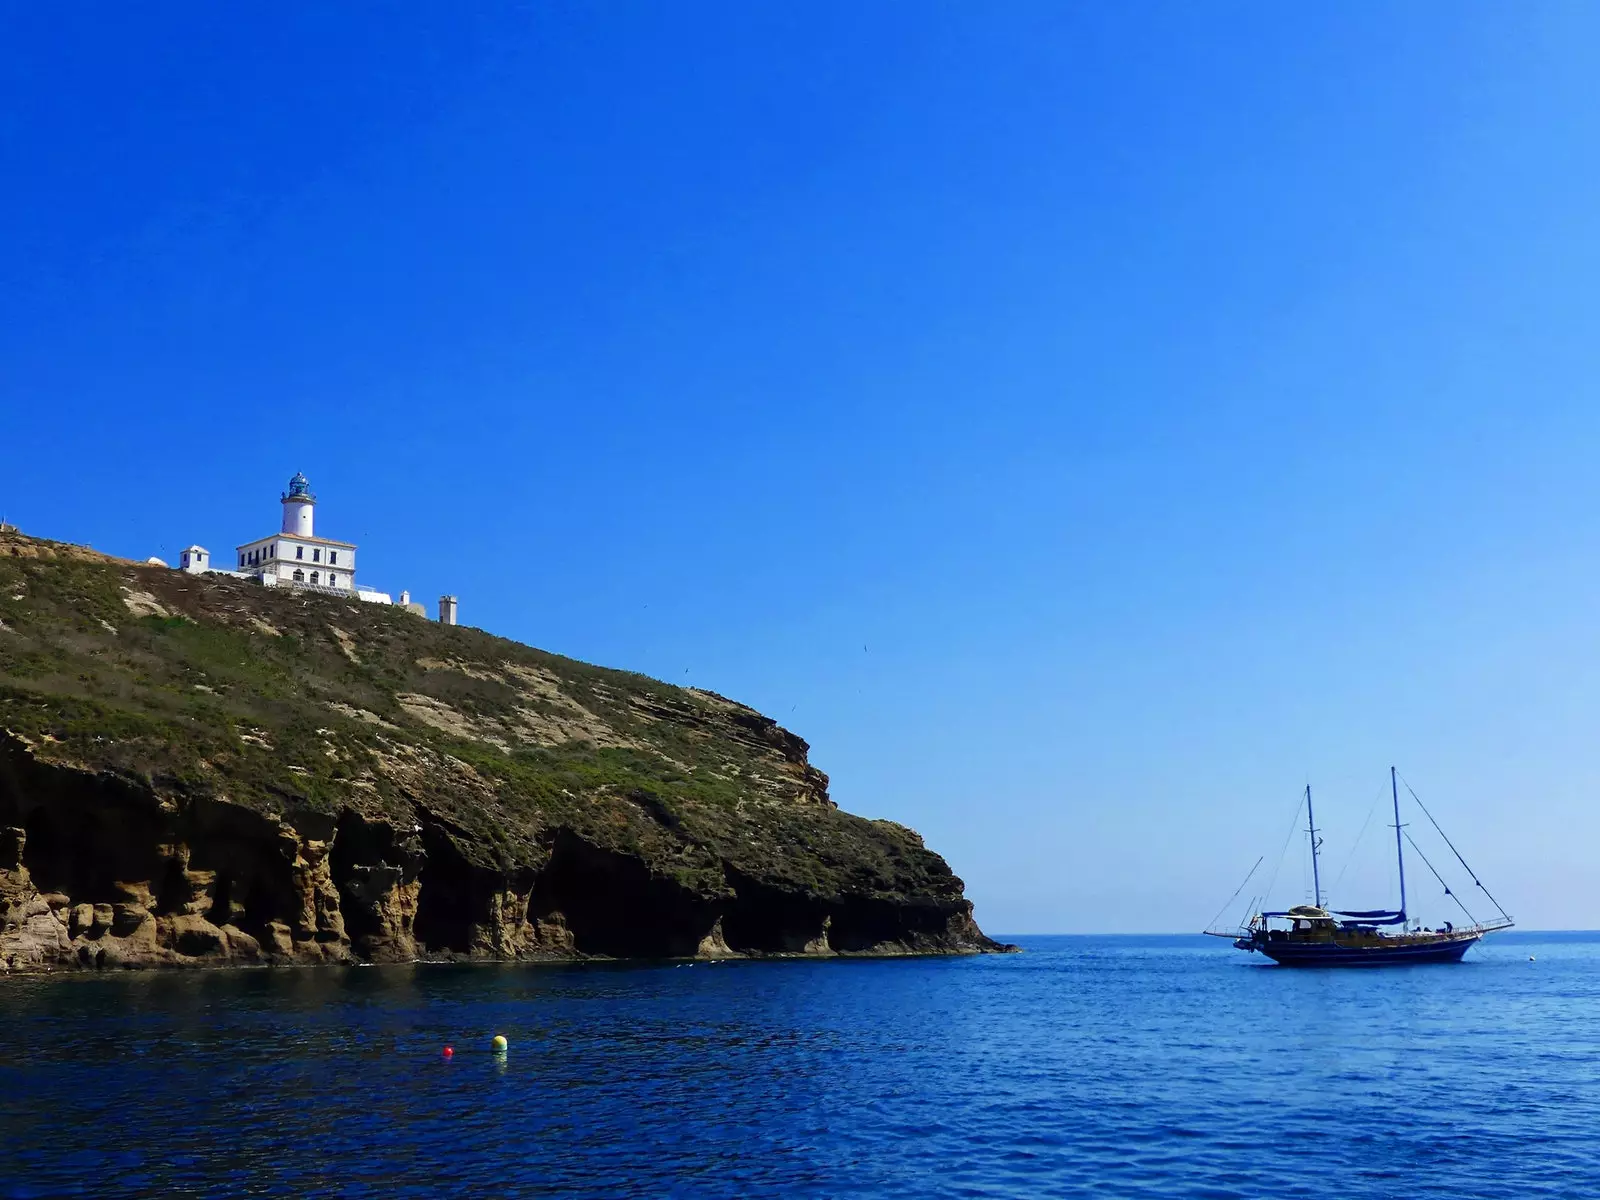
[{"x": 1530, "y": 958}]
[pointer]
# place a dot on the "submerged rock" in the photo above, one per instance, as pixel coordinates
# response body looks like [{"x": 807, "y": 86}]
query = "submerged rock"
[{"x": 200, "y": 770}]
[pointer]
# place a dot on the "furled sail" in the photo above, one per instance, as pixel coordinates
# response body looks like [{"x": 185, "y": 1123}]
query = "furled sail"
[{"x": 1379, "y": 916}]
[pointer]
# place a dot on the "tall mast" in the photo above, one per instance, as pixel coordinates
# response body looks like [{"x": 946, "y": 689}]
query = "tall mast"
[
  {"x": 1311, "y": 827},
  {"x": 1399, "y": 850}
]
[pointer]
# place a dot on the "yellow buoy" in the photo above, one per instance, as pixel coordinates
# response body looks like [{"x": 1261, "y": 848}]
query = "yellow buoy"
[{"x": 500, "y": 1043}]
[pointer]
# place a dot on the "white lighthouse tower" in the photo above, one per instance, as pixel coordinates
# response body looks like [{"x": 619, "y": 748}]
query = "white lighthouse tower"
[{"x": 299, "y": 505}]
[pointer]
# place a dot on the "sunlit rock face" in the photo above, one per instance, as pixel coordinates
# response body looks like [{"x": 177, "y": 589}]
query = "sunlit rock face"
[{"x": 197, "y": 770}]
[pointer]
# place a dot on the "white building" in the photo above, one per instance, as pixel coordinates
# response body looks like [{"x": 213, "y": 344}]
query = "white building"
[{"x": 295, "y": 555}]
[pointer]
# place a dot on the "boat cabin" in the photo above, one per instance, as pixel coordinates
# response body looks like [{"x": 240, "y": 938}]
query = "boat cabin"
[{"x": 1307, "y": 917}]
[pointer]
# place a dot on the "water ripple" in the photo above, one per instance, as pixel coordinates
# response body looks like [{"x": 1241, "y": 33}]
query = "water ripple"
[{"x": 1086, "y": 1067}]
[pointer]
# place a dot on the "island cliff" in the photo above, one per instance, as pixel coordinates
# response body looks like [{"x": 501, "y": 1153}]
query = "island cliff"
[{"x": 199, "y": 770}]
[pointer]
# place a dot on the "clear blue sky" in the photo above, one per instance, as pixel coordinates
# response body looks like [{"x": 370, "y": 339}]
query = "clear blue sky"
[{"x": 1083, "y": 423}]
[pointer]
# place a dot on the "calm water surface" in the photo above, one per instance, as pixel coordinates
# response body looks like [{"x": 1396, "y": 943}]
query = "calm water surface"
[{"x": 1085, "y": 1067}]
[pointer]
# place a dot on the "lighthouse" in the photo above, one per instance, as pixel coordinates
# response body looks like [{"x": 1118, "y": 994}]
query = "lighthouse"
[
  {"x": 299, "y": 505},
  {"x": 295, "y": 556}
]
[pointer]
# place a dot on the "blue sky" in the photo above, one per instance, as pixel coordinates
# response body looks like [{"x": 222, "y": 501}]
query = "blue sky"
[{"x": 1084, "y": 424}]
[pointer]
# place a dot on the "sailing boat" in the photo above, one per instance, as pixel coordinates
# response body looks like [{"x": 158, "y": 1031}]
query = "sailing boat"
[{"x": 1319, "y": 937}]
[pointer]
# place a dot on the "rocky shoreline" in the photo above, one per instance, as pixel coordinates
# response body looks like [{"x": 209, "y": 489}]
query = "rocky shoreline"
[
  {"x": 105, "y": 872},
  {"x": 207, "y": 773}
]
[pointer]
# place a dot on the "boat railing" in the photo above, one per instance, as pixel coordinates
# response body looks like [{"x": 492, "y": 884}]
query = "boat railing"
[{"x": 1257, "y": 923}]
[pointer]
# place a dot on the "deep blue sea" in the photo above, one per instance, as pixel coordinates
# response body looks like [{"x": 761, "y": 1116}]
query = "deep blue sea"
[{"x": 1087, "y": 1066}]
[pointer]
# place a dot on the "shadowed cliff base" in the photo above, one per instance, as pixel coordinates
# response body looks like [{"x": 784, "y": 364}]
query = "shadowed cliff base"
[{"x": 198, "y": 770}]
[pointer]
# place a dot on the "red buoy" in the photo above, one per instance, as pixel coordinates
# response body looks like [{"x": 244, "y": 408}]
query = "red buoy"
[{"x": 449, "y": 1052}]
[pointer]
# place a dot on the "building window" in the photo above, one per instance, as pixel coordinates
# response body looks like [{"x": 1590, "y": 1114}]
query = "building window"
[
  {"x": 241, "y": 561},
  {"x": 313, "y": 577},
  {"x": 333, "y": 579},
  {"x": 299, "y": 551},
  {"x": 316, "y": 556},
  {"x": 333, "y": 556},
  {"x": 299, "y": 575}
]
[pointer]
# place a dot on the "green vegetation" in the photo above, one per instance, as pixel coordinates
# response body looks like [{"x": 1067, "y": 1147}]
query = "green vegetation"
[{"x": 279, "y": 700}]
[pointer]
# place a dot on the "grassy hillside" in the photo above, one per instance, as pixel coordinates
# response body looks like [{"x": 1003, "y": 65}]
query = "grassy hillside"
[{"x": 290, "y": 704}]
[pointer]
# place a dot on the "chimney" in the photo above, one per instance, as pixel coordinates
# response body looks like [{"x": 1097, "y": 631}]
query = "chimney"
[{"x": 447, "y": 610}]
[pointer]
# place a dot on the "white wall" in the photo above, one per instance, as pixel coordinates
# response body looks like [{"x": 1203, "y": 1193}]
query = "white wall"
[
  {"x": 298, "y": 518},
  {"x": 316, "y": 558}
]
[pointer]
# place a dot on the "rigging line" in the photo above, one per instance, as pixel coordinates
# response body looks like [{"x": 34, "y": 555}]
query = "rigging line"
[
  {"x": 1294, "y": 823},
  {"x": 1440, "y": 878},
  {"x": 1236, "y": 892},
  {"x": 1354, "y": 846},
  {"x": 1453, "y": 849}
]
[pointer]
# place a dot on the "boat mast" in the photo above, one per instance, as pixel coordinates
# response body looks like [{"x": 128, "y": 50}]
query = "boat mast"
[
  {"x": 1311, "y": 827},
  {"x": 1399, "y": 850}
]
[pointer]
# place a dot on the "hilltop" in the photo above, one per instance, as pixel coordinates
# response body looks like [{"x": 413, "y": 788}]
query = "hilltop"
[{"x": 196, "y": 769}]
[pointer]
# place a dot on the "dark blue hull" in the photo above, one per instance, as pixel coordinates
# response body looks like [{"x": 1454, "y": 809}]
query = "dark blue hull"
[{"x": 1327, "y": 954}]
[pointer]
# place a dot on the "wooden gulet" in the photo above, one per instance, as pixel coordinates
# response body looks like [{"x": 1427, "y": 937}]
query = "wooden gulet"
[{"x": 1317, "y": 936}]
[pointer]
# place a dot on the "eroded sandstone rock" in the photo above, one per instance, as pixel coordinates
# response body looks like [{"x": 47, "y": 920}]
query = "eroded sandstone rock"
[
  {"x": 224, "y": 886},
  {"x": 198, "y": 771}
]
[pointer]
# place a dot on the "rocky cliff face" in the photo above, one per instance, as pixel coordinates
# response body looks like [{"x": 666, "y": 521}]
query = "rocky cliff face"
[{"x": 199, "y": 770}]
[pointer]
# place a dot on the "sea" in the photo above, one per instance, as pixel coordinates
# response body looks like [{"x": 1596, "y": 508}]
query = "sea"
[{"x": 1084, "y": 1066}]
